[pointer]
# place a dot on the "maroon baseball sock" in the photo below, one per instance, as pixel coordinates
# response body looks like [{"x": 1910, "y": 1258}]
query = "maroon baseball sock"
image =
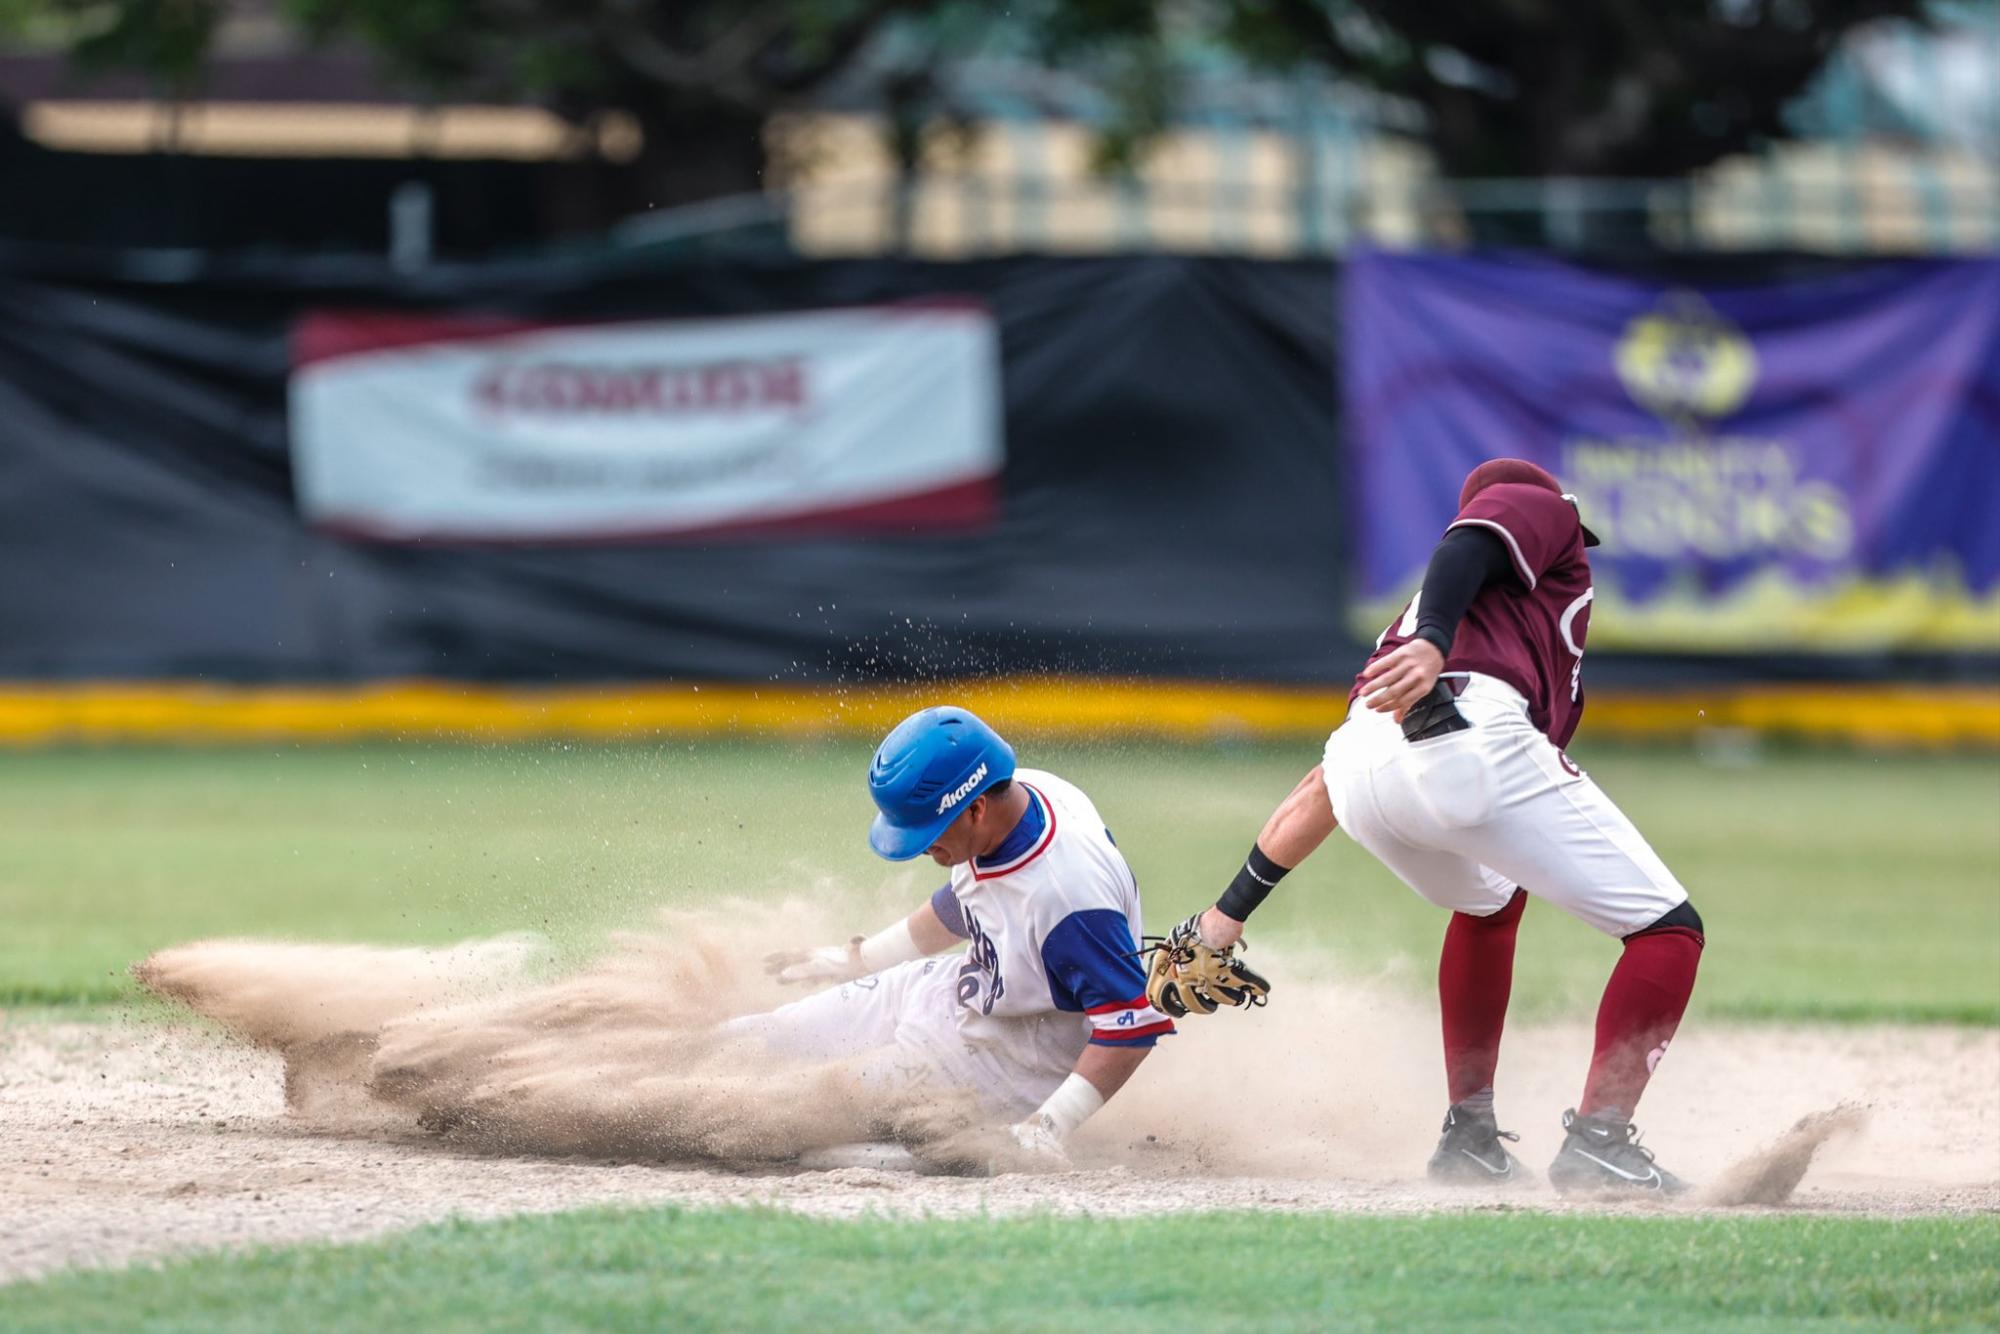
[
  {"x": 1641, "y": 1009},
  {"x": 1475, "y": 977}
]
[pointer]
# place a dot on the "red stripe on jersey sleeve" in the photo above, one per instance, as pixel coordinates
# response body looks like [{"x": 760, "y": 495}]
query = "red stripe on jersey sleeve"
[{"x": 1115, "y": 1035}]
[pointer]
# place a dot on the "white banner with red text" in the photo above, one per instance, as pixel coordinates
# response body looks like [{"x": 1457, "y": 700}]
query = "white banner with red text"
[{"x": 459, "y": 428}]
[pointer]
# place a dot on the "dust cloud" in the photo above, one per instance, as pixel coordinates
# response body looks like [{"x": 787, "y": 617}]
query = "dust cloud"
[
  {"x": 624, "y": 1058},
  {"x": 1338, "y": 1078}
]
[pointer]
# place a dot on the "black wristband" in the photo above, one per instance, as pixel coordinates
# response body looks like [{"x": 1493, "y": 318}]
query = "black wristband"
[{"x": 1252, "y": 885}]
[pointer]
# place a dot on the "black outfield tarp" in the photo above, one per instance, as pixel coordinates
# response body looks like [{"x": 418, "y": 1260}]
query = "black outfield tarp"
[{"x": 1169, "y": 501}]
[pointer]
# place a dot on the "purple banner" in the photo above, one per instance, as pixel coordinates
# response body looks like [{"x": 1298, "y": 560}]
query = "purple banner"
[{"x": 1812, "y": 465}]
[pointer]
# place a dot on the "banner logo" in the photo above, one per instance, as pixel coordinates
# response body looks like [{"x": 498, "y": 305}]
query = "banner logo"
[{"x": 1684, "y": 361}]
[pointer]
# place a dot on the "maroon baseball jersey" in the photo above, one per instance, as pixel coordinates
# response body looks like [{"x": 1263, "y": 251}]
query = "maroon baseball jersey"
[{"x": 1528, "y": 631}]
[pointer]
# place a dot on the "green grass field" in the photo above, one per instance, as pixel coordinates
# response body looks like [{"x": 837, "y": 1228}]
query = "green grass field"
[
  {"x": 671, "y": 1269},
  {"x": 1835, "y": 886}
]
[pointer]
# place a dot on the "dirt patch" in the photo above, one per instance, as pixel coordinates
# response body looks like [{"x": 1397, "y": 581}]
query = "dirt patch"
[
  {"x": 138, "y": 1139},
  {"x": 1770, "y": 1177}
]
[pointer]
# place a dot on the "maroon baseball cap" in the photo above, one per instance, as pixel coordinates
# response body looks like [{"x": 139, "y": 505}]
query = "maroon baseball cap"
[{"x": 1495, "y": 471}]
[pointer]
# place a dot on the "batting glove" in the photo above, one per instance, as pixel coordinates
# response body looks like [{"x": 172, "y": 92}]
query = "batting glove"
[
  {"x": 1037, "y": 1138},
  {"x": 827, "y": 963}
]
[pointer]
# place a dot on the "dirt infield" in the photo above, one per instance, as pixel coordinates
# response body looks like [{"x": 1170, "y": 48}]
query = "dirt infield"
[
  {"x": 127, "y": 1141},
  {"x": 339, "y": 1091}
]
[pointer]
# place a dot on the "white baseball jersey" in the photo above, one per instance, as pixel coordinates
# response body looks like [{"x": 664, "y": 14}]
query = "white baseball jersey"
[{"x": 1053, "y": 924}]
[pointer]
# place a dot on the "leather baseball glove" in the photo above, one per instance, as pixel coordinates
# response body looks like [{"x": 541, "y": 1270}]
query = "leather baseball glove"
[{"x": 1185, "y": 976}]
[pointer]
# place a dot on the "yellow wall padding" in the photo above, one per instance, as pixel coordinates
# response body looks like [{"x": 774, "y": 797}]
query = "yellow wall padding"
[{"x": 109, "y": 712}]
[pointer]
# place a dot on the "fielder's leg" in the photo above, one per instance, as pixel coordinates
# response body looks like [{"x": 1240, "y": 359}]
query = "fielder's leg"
[
  {"x": 1475, "y": 981},
  {"x": 1553, "y": 828},
  {"x": 1642, "y": 1006},
  {"x": 1559, "y": 833},
  {"x": 1475, "y": 970}
]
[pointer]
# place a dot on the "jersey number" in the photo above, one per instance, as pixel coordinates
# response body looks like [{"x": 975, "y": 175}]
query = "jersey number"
[
  {"x": 981, "y": 971},
  {"x": 1568, "y": 627}
]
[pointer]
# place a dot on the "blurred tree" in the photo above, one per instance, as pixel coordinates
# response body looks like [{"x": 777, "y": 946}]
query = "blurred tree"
[{"x": 1643, "y": 88}]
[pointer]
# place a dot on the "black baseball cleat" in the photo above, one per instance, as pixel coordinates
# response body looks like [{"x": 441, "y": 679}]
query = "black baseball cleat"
[
  {"x": 1470, "y": 1153},
  {"x": 1602, "y": 1154}
]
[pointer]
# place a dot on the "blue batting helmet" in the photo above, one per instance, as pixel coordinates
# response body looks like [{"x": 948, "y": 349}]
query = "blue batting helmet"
[{"x": 925, "y": 771}]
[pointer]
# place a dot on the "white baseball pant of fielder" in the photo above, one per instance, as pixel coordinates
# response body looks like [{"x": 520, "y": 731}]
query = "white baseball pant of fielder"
[{"x": 1465, "y": 818}]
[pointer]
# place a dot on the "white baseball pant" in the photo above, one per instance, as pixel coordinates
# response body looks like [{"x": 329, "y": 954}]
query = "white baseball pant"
[
  {"x": 1465, "y": 818},
  {"x": 901, "y": 1027}
]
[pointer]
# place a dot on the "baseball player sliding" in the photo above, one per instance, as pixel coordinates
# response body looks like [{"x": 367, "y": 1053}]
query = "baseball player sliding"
[
  {"x": 1450, "y": 770},
  {"x": 1045, "y": 1015}
]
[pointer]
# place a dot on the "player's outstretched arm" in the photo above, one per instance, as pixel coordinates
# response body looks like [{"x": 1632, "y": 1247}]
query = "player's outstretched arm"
[
  {"x": 1295, "y": 830},
  {"x": 1100, "y": 1072},
  {"x": 920, "y": 934}
]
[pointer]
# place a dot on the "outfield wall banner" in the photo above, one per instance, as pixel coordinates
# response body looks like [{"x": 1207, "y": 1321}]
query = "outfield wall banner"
[
  {"x": 466, "y": 428},
  {"x": 1809, "y": 466}
]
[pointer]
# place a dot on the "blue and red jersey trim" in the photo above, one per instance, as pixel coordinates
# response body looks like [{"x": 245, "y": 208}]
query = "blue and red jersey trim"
[
  {"x": 1113, "y": 1035},
  {"x": 1041, "y": 845}
]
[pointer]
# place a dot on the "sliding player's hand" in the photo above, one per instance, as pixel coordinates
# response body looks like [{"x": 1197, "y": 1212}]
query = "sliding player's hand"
[
  {"x": 827, "y": 963},
  {"x": 1038, "y": 1140}
]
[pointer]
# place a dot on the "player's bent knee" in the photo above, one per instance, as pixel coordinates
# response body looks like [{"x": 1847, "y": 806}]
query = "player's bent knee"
[{"x": 1683, "y": 918}]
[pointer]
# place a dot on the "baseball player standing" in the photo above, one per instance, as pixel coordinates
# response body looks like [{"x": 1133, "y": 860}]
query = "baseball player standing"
[
  {"x": 1450, "y": 770},
  {"x": 1045, "y": 1015}
]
